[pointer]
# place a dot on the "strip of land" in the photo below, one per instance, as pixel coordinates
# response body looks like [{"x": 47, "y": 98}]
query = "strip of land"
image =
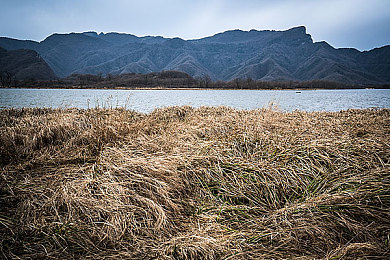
[
  {"x": 171, "y": 80},
  {"x": 194, "y": 183}
]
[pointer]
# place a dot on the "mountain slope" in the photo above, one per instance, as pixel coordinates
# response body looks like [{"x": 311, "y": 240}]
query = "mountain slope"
[
  {"x": 25, "y": 64},
  {"x": 260, "y": 55}
]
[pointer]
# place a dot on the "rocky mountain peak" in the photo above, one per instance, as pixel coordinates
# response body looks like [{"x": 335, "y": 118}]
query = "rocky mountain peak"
[{"x": 297, "y": 30}]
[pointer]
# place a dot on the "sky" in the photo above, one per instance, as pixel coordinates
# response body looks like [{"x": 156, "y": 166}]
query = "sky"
[{"x": 361, "y": 24}]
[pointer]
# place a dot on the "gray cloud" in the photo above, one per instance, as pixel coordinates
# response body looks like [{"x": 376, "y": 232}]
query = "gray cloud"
[{"x": 343, "y": 23}]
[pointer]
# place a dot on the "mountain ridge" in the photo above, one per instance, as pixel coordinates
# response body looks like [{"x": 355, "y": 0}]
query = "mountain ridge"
[{"x": 260, "y": 55}]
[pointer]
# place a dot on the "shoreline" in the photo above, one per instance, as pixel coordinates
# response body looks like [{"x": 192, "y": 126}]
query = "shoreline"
[{"x": 165, "y": 88}]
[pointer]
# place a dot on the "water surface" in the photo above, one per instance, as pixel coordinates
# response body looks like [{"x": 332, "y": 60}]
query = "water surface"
[{"x": 147, "y": 100}]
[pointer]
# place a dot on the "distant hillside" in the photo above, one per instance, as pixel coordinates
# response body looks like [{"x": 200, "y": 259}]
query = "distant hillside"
[
  {"x": 24, "y": 64},
  {"x": 259, "y": 55}
]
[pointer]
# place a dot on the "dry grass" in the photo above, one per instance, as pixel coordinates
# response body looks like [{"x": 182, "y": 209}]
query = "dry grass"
[{"x": 185, "y": 183}]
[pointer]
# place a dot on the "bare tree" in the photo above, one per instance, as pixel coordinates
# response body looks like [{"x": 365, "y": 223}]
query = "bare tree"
[{"x": 207, "y": 80}]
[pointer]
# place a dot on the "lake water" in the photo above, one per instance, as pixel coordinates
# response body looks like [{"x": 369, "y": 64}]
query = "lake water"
[{"x": 147, "y": 100}]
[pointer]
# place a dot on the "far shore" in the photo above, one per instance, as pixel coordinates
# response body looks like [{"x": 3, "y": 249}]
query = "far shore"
[
  {"x": 180, "y": 81},
  {"x": 183, "y": 88}
]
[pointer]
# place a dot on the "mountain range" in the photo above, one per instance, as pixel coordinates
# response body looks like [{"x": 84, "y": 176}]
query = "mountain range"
[{"x": 259, "y": 55}]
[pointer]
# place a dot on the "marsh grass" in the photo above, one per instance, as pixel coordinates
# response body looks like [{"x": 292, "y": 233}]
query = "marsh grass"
[{"x": 186, "y": 183}]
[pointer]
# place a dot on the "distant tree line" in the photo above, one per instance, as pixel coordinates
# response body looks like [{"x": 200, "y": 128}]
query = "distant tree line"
[{"x": 168, "y": 79}]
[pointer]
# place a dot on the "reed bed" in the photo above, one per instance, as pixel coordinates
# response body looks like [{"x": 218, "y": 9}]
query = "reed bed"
[{"x": 194, "y": 183}]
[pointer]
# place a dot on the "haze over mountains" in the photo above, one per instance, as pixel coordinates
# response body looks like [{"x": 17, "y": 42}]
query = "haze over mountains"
[{"x": 259, "y": 55}]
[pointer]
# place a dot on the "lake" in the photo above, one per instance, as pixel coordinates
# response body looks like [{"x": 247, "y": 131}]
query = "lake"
[{"x": 147, "y": 100}]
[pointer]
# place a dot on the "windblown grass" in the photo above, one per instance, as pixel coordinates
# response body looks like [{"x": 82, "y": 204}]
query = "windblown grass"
[{"x": 185, "y": 183}]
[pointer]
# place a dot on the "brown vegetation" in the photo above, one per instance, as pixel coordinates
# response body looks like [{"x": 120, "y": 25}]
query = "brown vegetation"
[{"x": 186, "y": 183}]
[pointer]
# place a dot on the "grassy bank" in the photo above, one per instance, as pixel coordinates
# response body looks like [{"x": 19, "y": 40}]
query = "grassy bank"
[{"x": 185, "y": 183}]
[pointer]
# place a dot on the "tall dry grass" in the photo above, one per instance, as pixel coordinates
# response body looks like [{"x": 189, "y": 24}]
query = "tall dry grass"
[{"x": 185, "y": 183}]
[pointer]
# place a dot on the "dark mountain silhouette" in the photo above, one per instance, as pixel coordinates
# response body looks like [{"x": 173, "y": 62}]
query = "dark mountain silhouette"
[
  {"x": 259, "y": 55},
  {"x": 24, "y": 64}
]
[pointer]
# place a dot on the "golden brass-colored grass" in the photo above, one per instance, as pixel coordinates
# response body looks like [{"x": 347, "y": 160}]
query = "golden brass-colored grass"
[{"x": 194, "y": 183}]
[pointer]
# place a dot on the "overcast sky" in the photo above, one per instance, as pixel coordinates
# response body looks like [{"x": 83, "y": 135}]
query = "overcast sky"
[{"x": 362, "y": 24}]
